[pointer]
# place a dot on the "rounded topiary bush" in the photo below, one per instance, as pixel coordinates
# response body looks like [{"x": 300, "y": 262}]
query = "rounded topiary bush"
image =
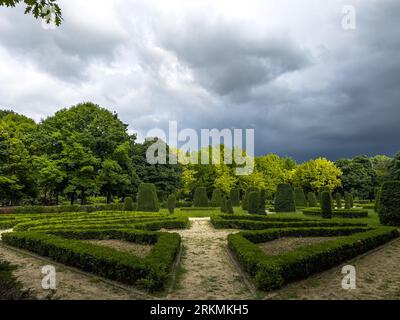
[
  {"x": 216, "y": 198},
  {"x": 312, "y": 199},
  {"x": 389, "y": 205},
  {"x": 128, "y": 204},
  {"x": 200, "y": 198},
  {"x": 254, "y": 202},
  {"x": 147, "y": 200},
  {"x": 235, "y": 197},
  {"x": 245, "y": 201},
  {"x": 338, "y": 200},
  {"x": 171, "y": 203},
  {"x": 284, "y": 198},
  {"x": 299, "y": 197},
  {"x": 326, "y": 205}
]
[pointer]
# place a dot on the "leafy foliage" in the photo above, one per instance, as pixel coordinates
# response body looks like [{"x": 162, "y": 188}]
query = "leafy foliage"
[
  {"x": 389, "y": 208},
  {"x": 284, "y": 199},
  {"x": 326, "y": 205},
  {"x": 147, "y": 200}
]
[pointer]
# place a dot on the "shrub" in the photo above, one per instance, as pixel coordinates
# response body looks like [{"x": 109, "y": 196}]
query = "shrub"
[
  {"x": 262, "y": 202},
  {"x": 389, "y": 207},
  {"x": 223, "y": 205},
  {"x": 377, "y": 199},
  {"x": 200, "y": 198},
  {"x": 326, "y": 205},
  {"x": 245, "y": 200},
  {"x": 338, "y": 200},
  {"x": 347, "y": 201},
  {"x": 300, "y": 198},
  {"x": 235, "y": 197},
  {"x": 229, "y": 207},
  {"x": 171, "y": 203},
  {"x": 312, "y": 199},
  {"x": 284, "y": 199},
  {"x": 128, "y": 204},
  {"x": 254, "y": 202},
  {"x": 339, "y": 213},
  {"x": 216, "y": 198},
  {"x": 272, "y": 272},
  {"x": 147, "y": 200},
  {"x": 10, "y": 287}
]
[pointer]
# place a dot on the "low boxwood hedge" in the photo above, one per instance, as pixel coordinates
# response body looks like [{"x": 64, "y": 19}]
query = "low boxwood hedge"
[
  {"x": 272, "y": 272},
  {"x": 150, "y": 272},
  {"x": 221, "y": 223},
  {"x": 338, "y": 213}
]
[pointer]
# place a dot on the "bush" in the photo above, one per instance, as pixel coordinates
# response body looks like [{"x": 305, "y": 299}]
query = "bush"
[
  {"x": 235, "y": 197},
  {"x": 150, "y": 272},
  {"x": 338, "y": 200},
  {"x": 10, "y": 287},
  {"x": 284, "y": 199},
  {"x": 340, "y": 213},
  {"x": 128, "y": 204},
  {"x": 377, "y": 199},
  {"x": 300, "y": 198},
  {"x": 216, "y": 198},
  {"x": 229, "y": 207},
  {"x": 245, "y": 200},
  {"x": 347, "y": 201},
  {"x": 254, "y": 202},
  {"x": 326, "y": 205},
  {"x": 262, "y": 202},
  {"x": 200, "y": 197},
  {"x": 171, "y": 203},
  {"x": 223, "y": 206},
  {"x": 389, "y": 207},
  {"x": 312, "y": 199},
  {"x": 272, "y": 272},
  {"x": 147, "y": 200}
]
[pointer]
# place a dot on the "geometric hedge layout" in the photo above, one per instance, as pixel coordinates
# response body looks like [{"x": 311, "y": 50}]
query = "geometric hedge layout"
[
  {"x": 271, "y": 272},
  {"x": 61, "y": 239}
]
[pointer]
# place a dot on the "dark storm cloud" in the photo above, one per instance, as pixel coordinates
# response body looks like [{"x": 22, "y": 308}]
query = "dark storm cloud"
[{"x": 308, "y": 87}]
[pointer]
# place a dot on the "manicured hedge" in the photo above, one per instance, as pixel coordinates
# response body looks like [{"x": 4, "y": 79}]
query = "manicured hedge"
[
  {"x": 221, "y": 223},
  {"x": 300, "y": 198},
  {"x": 235, "y": 197},
  {"x": 342, "y": 213},
  {"x": 272, "y": 272},
  {"x": 171, "y": 203},
  {"x": 147, "y": 200},
  {"x": 128, "y": 204},
  {"x": 389, "y": 207},
  {"x": 312, "y": 199},
  {"x": 326, "y": 205},
  {"x": 151, "y": 272},
  {"x": 200, "y": 198},
  {"x": 216, "y": 198},
  {"x": 245, "y": 200},
  {"x": 284, "y": 199},
  {"x": 254, "y": 202},
  {"x": 198, "y": 209},
  {"x": 62, "y": 209}
]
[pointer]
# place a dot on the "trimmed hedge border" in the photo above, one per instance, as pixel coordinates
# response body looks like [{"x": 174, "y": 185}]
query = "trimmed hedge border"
[
  {"x": 338, "y": 213},
  {"x": 272, "y": 272},
  {"x": 62, "y": 209},
  {"x": 182, "y": 209},
  {"x": 220, "y": 223},
  {"x": 150, "y": 272}
]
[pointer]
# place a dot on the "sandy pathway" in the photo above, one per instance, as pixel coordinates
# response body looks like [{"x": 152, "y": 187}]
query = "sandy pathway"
[
  {"x": 210, "y": 273},
  {"x": 378, "y": 277}
]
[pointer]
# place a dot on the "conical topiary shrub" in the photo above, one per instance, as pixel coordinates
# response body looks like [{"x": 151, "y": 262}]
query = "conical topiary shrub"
[
  {"x": 338, "y": 200},
  {"x": 262, "y": 202},
  {"x": 216, "y": 199},
  {"x": 235, "y": 197},
  {"x": 229, "y": 207},
  {"x": 245, "y": 200},
  {"x": 224, "y": 206},
  {"x": 389, "y": 207},
  {"x": 171, "y": 203},
  {"x": 347, "y": 201},
  {"x": 326, "y": 205},
  {"x": 128, "y": 204},
  {"x": 284, "y": 198},
  {"x": 299, "y": 197},
  {"x": 377, "y": 199},
  {"x": 200, "y": 198},
  {"x": 254, "y": 202},
  {"x": 147, "y": 199},
  {"x": 312, "y": 199}
]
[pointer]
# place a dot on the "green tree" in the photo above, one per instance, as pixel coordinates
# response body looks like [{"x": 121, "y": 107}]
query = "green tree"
[
  {"x": 394, "y": 167},
  {"x": 38, "y": 8},
  {"x": 389, "y": 208},
  {"x": 284, "y": 198},
  {"x": 381, "y": 166}
]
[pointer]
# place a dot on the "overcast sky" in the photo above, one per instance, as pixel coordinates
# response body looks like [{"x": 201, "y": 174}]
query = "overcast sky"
[{"x": 286, "y": 68}]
